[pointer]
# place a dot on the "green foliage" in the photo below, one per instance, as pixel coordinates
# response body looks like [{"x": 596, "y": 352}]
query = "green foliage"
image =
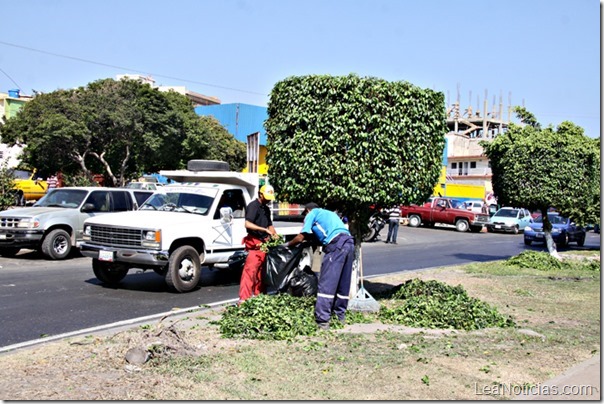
[
  {"x": 543, "y": 261},
  {"x": 433, "y": 304},
  {"x": 119, "y": 129},
  {"x": 7, "y": 192},
  {"x": 542, "y": 168},
  {"x": 271, "y": 242},
  {"x": 347, "y": 142},
  {"x": 270, "y": 317}
]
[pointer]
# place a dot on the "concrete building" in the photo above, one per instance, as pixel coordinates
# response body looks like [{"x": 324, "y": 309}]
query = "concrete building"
[{"x": 10, "y": 104}]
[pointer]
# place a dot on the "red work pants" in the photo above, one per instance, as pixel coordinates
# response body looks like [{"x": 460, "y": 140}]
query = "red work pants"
[{"x": 251, "y": 277}]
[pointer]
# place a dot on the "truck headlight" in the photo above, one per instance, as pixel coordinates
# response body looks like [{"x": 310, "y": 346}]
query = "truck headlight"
[
  {"x": 528, "y": 228},
  {"x": 87, "y": 232},
  {"x": 555, "y": 230},
  {"x": 151, "y": 238},
  {"x": 29, "y": 223}
]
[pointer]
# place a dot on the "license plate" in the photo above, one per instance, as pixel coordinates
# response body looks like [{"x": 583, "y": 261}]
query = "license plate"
[
  {"x": 2, "y": 236},
  {"x": 497, "y": 226},
  {"x": 539, "y": 235},
  {"x": 106, "y": 256}
]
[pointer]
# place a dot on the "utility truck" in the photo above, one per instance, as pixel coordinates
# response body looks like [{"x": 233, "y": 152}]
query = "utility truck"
[{"x": 200, "y": 220}]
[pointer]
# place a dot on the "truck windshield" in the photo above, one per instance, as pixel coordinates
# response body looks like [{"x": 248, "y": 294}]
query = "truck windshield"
[
  {"x": 179, "y": 202},
  {"x": 63, "y": 198}
]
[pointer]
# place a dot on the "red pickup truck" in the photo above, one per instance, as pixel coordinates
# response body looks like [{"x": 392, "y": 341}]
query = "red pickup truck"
[{"x": 446, "y": 211}]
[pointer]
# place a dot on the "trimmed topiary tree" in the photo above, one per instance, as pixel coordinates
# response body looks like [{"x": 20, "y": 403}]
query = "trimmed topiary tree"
[
  {"x": 347, "y": 143},
  {"x": 541, "y": 168}
]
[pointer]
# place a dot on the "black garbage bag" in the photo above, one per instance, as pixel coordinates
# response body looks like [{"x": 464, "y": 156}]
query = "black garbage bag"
[
  {"x": 281, "y": 261},
  {"x": 237, "y": 260},
  {"x": 303, "y": 282}
]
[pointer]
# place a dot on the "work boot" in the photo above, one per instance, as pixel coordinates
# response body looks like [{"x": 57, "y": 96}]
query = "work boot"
[{"x": 323, "y": 326}]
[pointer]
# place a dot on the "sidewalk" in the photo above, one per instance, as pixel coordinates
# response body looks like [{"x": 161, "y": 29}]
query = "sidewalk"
[{"x": 581, "y": 382}]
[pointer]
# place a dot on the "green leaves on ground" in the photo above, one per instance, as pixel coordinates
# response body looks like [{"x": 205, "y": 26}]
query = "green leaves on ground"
[
  {"x": 543, "y": 261},
  {"x": 433, "y": 304},
  {"x": 415, "y": 303},
  {"x": 271, "y": 317}
]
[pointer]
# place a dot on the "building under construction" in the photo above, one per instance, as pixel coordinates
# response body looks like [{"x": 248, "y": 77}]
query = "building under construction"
[{"x": 465, "y": 163}]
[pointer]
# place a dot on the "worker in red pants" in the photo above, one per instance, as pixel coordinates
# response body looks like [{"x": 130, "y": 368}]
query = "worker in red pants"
[{"x": 259, "y": 227}]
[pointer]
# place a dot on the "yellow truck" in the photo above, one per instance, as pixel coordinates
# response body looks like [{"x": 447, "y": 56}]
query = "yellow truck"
[{"x": 27, "y": 187}]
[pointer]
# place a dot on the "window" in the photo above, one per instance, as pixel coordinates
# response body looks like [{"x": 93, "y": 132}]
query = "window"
[
  {"x": 453, "y": 166},
  {"x": 234, "y": 199},
  {"x": 472, "y": 164},
  {"x": 121, "y": 201}
]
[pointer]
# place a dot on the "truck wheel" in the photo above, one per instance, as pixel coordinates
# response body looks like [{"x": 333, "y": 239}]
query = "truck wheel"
[
  {"x": 462, "y": 225},
  {"x": 581, "y": 241},
  {"x": 184, "y": 269},
  {"x": 515, "y": 230},
  {"x": 109, "y": 273},
  {"x": 528, "y": 242},
  {"x": 207, "y": 165},
  {"x": 56, "y": 245},
  {"x": 19, "y": 199},
  {"x": 414, "y": 221},
  {"x": 9, "y": 251}
]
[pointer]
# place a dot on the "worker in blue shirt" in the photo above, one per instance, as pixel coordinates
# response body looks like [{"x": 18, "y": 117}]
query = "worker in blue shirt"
[{"x": 336, "y": 268}]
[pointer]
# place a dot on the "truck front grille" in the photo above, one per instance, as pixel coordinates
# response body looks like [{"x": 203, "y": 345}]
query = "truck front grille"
[
  {"x": 115, "y": 236},
  {"x": 9, "y": 222}
]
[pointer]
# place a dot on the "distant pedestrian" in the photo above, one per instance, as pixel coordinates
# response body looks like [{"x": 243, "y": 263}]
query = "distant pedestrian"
[
  {"x": 394, "y": 220},
  {"x": 336, "y": 266}
]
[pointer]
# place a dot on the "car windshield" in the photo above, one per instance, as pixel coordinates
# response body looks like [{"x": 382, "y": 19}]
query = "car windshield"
[
  {"x": 179, "y": 202},
  {"x": 63, "y": 198},
  {"x": 507, "y": 213},
  {"x": 553, "y": 219}
]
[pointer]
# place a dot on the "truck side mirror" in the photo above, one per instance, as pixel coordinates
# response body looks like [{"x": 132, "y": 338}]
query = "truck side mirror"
[
  {"x": 226, "y": 214},
  {"x": 88, "y": 207}
]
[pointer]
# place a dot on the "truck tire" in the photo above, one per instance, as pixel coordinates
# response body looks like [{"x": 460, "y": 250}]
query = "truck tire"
[
  {"x": 9, "y": 251},
  {"x": 56, "y": 245},
  {"x": 415, "y": 221},
  {"x": 109, "y": 273},
  {"x": 528, "y": 242},
  {"x": 462, "y": 225},
  {"x": 184, "y": 269},
  {"x": 19, "y": 199},
  {"x": 515, "y": 229},
  {"x": 207, "y": 165}
]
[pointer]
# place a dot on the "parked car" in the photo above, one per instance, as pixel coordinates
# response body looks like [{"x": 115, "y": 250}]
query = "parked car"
[
  {"x": 474, "y": 206},
  {"x": 54, "y": 224},
  {"x": 564, "y": 231},
  {"x": 509, "y": 220}
]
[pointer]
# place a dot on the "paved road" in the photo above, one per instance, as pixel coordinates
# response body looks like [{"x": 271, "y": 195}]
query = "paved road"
[{"x": 40, "y": 298}]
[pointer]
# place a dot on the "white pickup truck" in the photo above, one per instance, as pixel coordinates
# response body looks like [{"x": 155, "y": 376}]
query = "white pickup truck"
[{"x": 182, "y": 226}]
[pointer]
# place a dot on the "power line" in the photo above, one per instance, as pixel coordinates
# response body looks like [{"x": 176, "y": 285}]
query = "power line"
[
  {"x": 11, "y": 79},
  {"x": 126, "y": 69}
]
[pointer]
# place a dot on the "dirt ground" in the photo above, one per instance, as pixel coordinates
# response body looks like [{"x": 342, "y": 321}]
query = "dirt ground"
[{"x": 185, "y": 357}]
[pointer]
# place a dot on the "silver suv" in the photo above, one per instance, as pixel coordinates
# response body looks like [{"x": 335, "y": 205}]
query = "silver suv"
[{"x": 54, "y": 224}]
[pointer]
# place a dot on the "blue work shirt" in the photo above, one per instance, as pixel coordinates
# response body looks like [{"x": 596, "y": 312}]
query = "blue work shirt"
[{"x": 324, "y": 224}]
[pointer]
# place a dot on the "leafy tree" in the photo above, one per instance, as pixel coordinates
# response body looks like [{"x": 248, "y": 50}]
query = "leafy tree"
[
  {"x": 116, "y": 128},
  {"x": 349, "y": 142},
  {"x": 541, "y": 168}
]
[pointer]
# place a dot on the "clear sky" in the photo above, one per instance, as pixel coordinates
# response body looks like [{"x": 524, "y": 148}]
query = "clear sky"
[{"x": 543, "y": 54}]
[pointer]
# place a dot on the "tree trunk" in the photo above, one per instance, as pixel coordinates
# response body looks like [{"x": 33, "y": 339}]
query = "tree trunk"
[
  {"x": 355, "y": 230},
  {"x": 547, "y": 231}
]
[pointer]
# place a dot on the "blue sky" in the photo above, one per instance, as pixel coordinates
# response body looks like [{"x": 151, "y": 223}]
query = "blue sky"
[{"x": 543, "y": 54}]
